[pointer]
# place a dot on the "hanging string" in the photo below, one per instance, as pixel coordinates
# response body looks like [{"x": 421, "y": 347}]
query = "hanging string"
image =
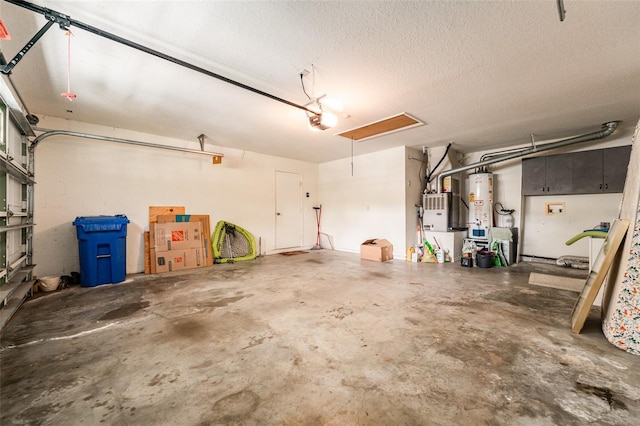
[
  {"x": 351, "y": 157},
  {"x": 68, "y": 94}
]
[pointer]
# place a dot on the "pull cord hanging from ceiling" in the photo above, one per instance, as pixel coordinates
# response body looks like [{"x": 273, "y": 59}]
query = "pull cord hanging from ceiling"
[
  {"x": 68, "y": 94},
  {"x": 65, "y": 22}
]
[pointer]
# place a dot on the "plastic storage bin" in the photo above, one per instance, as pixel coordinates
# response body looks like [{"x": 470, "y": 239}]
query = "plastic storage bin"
[
  {"x": 484, "y": 259},
  {"x": 103, "y": 249}
]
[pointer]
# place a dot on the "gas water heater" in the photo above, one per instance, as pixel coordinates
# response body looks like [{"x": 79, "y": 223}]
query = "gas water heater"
[{"x": 480, "y": 204}]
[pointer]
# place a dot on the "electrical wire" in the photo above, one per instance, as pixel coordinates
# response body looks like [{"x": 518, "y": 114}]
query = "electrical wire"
[
  {"x": 303, "y": 89},
  {"x": 430, "y": 176},
  {"x": 502, "y": 211}
]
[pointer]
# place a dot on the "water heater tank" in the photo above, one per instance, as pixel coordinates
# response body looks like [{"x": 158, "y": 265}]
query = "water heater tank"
[{"x": 480, "y": 205}]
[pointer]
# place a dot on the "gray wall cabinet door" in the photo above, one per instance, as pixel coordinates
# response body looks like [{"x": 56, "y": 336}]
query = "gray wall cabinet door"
[
  {"x": 586, "y": 172},
  {"x": 534, "y": 176},
  {"x": 615, "y": 163},
  {"x": 559, "y": 168}
]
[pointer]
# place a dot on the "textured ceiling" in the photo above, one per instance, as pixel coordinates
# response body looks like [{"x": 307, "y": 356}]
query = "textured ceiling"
[{"x": 481, "y": 74}]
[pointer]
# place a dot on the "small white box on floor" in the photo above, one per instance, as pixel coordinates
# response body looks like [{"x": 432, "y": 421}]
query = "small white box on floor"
[{"x": 450, "y": 241}]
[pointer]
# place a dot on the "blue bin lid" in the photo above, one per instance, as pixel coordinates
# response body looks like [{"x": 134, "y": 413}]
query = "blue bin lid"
[{"x": 101, "y": 223}]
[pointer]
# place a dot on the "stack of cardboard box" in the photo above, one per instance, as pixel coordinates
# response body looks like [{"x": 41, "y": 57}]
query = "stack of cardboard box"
[{"x": 176, "y": 240}]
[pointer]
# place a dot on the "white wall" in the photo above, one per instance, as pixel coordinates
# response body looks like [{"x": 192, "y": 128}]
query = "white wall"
[
  {"x": 414, "y": 176},
  {"x": 545, "y": 235},
  {"x": 369, "y": 204},
  {"x": 81, "y": 177}
]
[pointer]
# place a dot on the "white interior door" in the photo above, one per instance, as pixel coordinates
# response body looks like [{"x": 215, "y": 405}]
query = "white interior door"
[{"x": 288, "y": 210}]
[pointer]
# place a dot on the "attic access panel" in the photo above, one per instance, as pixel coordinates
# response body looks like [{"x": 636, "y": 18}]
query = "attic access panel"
[{"x": 396, "y": 123}]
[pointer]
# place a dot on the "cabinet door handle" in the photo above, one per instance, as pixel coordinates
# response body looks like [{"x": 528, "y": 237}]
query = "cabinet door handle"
[
  {"x": 606, "y": 186},
  {"x": 543, "y": 189},
  {"x": 600, "y": 186}
]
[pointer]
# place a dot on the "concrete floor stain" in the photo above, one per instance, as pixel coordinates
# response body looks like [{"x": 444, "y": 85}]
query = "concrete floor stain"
[
  {"x": 603, "y": 393},
  {"x": 236, "y": 407},
  {"x": 221, "y": 303},
  {"x": 192, "y": 329},
  {"x": 124, "y": 311}
]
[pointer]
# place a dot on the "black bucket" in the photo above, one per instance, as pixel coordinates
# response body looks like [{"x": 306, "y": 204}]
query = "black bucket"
[{"x": 484, "y": 259}]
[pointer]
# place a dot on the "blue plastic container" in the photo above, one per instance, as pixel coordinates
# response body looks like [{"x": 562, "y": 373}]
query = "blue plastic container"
[{"x": 102, "y": 245}]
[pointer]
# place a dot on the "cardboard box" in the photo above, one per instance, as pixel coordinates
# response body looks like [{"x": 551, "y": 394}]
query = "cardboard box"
[
  {"x": 177, "y": 260},
  {"x": 378, "y": 250},
  {"x": 154, "y": 212},
  {"x": 147, "y": 253},
  {"x": 206, "y": 230},
  {"x": 177, "y": 236},
  {"x": 449, "y": 241}
]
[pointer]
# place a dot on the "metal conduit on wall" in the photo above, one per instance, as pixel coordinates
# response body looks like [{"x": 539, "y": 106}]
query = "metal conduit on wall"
[
  {"x": 49, "y": 133},
  {"x": 607, "y": 129}
]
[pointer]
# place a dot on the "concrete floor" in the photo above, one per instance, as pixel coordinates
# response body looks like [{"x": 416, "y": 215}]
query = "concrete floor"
[{"x": 321, "y": 338}]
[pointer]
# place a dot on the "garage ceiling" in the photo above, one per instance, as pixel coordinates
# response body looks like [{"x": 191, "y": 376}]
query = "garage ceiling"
[{"x": 483, "y": 74}]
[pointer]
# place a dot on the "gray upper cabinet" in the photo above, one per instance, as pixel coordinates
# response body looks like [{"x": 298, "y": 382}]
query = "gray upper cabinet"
[
  {"x": 616, "y": 162},
  {"x": 534, "y": 180},
  {"x": 584, "y": 172},
  {"x": 558, "y": 174},
  {"x": 546, "y": 175}
]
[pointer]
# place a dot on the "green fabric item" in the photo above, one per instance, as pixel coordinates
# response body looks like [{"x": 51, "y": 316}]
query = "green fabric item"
[
  {"x": 223, "y": 241},
  {"x": 593, "y": 234}
]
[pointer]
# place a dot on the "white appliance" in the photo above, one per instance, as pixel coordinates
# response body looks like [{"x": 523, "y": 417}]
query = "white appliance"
[
  {"x": 480, "y": 205},
  {"x": 441, "y": 212}
]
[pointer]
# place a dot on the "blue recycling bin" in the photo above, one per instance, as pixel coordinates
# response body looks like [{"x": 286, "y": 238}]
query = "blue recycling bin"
[{"x": 102, "y": 245}]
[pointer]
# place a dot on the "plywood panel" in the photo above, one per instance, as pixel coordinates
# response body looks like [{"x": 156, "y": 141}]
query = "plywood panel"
[
  {"x": 392, "y": 124},
  {"x": 155, "y": 211},
  {"x": 599, "y": 271}
]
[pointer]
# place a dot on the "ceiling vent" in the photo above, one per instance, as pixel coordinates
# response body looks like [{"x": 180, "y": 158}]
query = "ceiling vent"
[{"x": 393, "y": 124}]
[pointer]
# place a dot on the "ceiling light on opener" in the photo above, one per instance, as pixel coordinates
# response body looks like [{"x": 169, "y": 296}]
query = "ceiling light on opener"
[{"x": 320, "y": 120}]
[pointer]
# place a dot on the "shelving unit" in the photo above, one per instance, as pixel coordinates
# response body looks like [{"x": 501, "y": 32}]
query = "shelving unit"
[{"x": 16, "y": 206}]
